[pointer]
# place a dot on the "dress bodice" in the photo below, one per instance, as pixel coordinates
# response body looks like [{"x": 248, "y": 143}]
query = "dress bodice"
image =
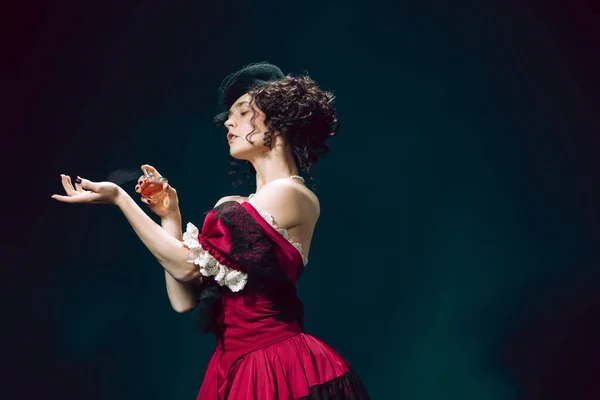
[
  {"x": 241, "y": 253},
  {"x": 253, "y": 320}
]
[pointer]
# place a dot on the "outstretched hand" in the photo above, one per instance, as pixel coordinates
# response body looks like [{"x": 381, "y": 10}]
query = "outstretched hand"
[{"x": 86, "y": 191}]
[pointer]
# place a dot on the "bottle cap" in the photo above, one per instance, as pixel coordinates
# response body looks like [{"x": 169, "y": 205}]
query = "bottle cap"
[{"x": 148, "y": 175}]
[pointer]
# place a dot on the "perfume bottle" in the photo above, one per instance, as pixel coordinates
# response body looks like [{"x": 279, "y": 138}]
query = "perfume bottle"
[{"x": 152, "y": 188}]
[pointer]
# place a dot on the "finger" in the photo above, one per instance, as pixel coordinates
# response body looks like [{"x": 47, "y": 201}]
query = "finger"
[
  {"x": 140, "y": 184},
  {"x": 78, "y": 187},
  {"x": 68, "y": 188},
  {"x": 169, "y": 189},
  {"x": 89, "y": 185},
  {"x": 68, "y": 178},
  {"x": 80, "y": 198},
  {"x": 64, "y": 199},
  {"x": 149, "y": 202}
]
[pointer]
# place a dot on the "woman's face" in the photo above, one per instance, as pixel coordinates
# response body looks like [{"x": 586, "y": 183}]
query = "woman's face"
[{"x": 244, "y": 119}]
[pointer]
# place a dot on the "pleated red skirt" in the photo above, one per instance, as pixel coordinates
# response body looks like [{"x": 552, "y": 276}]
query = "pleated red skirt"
[{"x": 298, "y": 367}]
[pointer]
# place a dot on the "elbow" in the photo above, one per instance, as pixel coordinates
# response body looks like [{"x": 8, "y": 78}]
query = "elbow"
[
  {"x": 186, "y": 272},
  {"x": 189, "y": 274},
  {"x": 182, "y": 308},
  {"x": 181, "y": 269}
]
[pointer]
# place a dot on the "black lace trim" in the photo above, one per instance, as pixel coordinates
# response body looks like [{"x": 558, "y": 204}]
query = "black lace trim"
[
  {"x": 252, "y": 252},
  {"x": 252, "y": 249},
  {"x": 344, "y": 387},
  {"x": 209, "y": 305}
]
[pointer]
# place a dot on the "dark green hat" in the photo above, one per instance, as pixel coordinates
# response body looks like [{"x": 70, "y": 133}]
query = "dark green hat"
[{"x": 239, "y": 83}]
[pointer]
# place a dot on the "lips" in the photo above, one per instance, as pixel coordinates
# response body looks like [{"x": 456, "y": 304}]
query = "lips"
[{"x": 230, "y": 136}]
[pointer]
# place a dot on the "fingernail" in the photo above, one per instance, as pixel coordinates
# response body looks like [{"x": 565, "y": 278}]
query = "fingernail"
[{"x": 78, "y": 180}]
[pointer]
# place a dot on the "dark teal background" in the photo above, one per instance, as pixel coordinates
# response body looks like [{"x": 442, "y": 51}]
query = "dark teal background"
[{"x": 457, "y": 252}]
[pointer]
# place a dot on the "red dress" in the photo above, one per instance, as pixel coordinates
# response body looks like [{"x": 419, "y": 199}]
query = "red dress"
[{"x": 248, "y": 300}]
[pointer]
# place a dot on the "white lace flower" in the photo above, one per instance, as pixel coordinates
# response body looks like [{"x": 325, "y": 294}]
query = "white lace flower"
[
  {"x": 208, "y": 265},
  {"x": 236, "y": 280},
  {"x": 190, "y": 236},
  {"x": 193, "y": 256},
  {"x": 220, "y": 276}
]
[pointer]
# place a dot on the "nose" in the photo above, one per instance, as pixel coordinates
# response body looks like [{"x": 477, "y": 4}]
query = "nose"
[{"x": 229, "y": 123}]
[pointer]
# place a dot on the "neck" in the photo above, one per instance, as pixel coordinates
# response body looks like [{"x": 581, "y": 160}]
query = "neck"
[{"x": 274, "y": 164}]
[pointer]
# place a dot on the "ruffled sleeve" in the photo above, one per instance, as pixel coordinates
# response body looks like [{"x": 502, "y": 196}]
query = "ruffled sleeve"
[{"x": 209, "y": 266}]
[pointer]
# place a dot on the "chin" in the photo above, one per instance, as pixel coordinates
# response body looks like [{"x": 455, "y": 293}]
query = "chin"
[
  {"x": 245, "y": 151},
  {"x": 238, "y": 155}
]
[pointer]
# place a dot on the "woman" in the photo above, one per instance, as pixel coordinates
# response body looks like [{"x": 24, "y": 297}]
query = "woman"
[{"x": 240, "y": 269}]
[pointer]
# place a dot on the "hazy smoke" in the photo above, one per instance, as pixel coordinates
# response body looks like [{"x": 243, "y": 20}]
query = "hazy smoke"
[{"x": 121, "y": 176}]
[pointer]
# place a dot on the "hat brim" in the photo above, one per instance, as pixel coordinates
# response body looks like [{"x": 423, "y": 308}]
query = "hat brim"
[
  {"x": 220, "y": 119},
  {"x": 237, "y": 84}
]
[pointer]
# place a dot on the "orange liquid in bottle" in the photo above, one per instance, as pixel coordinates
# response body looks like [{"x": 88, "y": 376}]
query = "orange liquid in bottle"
[
  {"x": 150, "y": 189},
  {"x": 154, "y": 190}
]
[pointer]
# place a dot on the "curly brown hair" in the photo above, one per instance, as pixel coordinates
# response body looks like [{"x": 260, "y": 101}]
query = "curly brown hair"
[{"x": 302, "y": 113}]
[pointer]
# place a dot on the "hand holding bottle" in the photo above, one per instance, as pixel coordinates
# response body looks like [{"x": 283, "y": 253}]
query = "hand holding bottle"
[{"x": 156, "y": 192}]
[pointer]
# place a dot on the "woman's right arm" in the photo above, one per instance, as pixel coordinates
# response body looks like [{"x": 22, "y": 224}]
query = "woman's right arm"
[{"x": 182, "y": 295}]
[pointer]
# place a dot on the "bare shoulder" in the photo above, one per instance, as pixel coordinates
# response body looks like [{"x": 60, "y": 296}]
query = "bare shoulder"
[
  {"x": 289, "y": 202},
  {"x": 239, "y": 199}
]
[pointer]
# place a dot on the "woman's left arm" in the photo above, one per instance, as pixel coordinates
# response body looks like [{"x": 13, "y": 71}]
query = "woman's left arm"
[{"x": 170, "y": 252}]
